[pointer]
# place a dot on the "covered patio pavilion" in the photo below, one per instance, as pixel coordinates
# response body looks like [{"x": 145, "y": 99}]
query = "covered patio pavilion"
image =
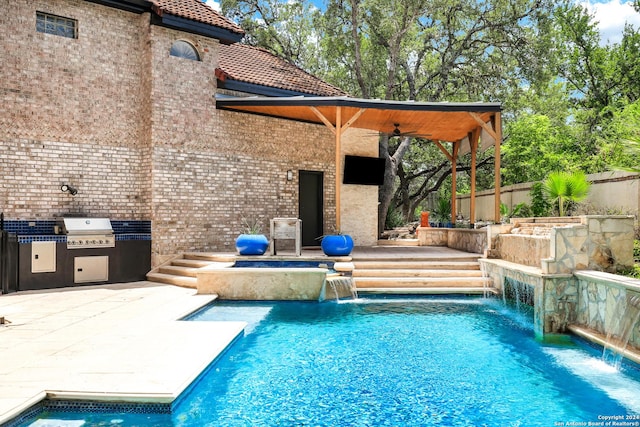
[{"x": 455, "y": 128}]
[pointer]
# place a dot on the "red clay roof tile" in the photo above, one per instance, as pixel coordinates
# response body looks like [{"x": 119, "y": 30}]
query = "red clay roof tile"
[
  {"x": 255, "y": 65},
  {"x": 195, "y": 10}
]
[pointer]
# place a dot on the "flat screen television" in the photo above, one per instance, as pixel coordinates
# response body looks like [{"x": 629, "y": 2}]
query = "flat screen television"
[{"x": 363, "y": 170}]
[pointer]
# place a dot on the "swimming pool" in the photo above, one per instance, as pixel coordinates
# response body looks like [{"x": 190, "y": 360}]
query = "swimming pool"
[{"x": 396, "y": 362}]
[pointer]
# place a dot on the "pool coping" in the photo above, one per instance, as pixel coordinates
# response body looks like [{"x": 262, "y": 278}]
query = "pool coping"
[{"x": 118, "y": 342}]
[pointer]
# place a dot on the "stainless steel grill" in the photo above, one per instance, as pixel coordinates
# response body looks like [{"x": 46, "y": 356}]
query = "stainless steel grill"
[{"x": 85, "y": 233}]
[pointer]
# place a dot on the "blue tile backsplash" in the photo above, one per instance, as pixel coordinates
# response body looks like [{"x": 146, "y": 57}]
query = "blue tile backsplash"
[
  {"x": 21, "y": 226},
  {"x": 135, "y": 227},
  {"x": 43, "y": 230}
]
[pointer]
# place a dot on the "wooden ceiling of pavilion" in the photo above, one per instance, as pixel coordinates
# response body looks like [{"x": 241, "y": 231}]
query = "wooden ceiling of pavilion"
[{"x": 467, "y": 126}]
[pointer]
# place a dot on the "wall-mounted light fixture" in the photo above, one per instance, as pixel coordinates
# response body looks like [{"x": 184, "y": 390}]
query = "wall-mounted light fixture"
[
  {"x": 289, "y": 175},
  {"x": 67, "y": 188}
]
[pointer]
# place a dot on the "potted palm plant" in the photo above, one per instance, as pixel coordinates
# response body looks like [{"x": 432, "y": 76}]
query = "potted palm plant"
[
  {"x": 442, "y": 212},
  {"x": 252, "y": 241}
]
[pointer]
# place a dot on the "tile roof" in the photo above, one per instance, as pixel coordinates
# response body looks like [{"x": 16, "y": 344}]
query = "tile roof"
[
  {"x": 257, "y": 66},
  {"x": 195, "y": 10}
]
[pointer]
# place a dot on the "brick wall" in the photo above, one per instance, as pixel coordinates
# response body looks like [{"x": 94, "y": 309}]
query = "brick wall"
[
  {"x": 72, "y": 111},
  {"x": 137, "y": 132},
  {"x": 211, "y": 169}
]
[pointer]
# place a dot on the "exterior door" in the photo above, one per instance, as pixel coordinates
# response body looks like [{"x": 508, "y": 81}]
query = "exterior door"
[{"x": 311, "y": 206}]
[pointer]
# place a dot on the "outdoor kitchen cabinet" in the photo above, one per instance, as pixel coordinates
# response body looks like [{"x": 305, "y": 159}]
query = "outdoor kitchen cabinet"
[
  {"x": 43, "y": 257},
  {"x": 128, "y": 261}
]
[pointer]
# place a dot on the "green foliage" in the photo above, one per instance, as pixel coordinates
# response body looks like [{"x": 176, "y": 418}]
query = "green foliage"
[
  {"x": 536, "y": 147},
  {"x": 569, "y": 101},
  {"x": 521, "y": 210},
  {"x": 285, "y": 28},
  {"x": 251, "y": 226},
  {"x": 539, "y": 204},
  {"x": 504, "y": 210},
  {"x": 562, "y": 187},
  {"x": 625, "y": 136},
  {"x": 635, "y": 270},
  {"x": 442, "y": 212},
  {"x": 394, "y": 219}
]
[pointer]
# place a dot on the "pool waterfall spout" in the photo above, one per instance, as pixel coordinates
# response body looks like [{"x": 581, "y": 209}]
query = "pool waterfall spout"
[
  {"x": 627, "y": 315},
  {"x": 520, "y": 293},
  {"x": 342, "y": 285}
]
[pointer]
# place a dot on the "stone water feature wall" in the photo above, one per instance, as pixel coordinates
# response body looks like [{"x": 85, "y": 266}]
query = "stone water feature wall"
[
  {"x": 603, "y": 304},
  {"x": 555, "y": 296},
  {"x": 563, "y": 245},
  {"x": 571, "y": 283}
]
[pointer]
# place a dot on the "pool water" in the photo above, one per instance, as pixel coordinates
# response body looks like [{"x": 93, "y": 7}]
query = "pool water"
[{"x": 398, "y": 362}]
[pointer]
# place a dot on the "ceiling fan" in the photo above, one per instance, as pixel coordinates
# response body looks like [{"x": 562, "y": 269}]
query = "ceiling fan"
[{"x": 397, "y": 132}]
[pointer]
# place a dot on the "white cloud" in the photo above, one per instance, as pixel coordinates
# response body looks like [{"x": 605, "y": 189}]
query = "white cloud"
[
  {"x": 215, "y": 5},
  {"x": 611, "y": 17}
]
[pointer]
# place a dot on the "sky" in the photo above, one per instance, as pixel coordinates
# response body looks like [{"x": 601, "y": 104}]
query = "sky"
[{"x": 611, "y": 16}]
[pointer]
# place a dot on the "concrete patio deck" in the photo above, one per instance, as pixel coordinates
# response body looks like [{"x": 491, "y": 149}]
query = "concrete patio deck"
[{"x": 111, "y": 342}]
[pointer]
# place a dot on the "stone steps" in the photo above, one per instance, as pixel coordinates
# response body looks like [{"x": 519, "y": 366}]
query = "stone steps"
[
  {"x": 191, "y": 263},
  {"x": 179, "y": 270},
  {"x": 417, "y": 265},
  {"x": 414, "y": 273},
  {"x": 183, "y": 271},
  {"x": 209, "y": 256},
  {"x": 420, "y": 274},
  {"x": 538, "y": 228},
  {"x": 419, "y": 282},
  {"x": 428, "y": 291},
  {"x": 172, "y": 279}
]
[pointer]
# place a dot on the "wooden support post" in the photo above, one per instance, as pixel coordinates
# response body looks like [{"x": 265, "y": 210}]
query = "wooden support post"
[
  {"x": 338, "y": 163},
  {"x": 454, "y": 177},
  {"x": 473, "y": 142},
  {"x": 497, "y": 126}
]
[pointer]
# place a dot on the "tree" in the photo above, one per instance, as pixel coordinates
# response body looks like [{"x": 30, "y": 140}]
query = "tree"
[
  {"x": 625, "y": 129},
  {"x": 534, "y": 148},
  {"x": 602, "y": 79},
  {"x": 561, "y": 187},
  {"x": 559, "y": 86},
  {"x": 431, "y": 51},
  {"x": 285, "y": 28}
]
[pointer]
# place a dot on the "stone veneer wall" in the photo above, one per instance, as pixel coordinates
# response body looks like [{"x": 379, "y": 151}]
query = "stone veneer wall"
[
  {"x": 467, "y": 240},
  {"x": 432, "y": 236},
  {"x": 603, "y": 305},
  {"x": 565, "y": 292},
  {"x": 602, "y": 243},
  {"x": 474, "y": 241},
  {"x": 521, "y": 249},
  {"x": 597, "y": 242},
  {"x": 597, "y": 301},
  {"x": 359, "y": 203}
]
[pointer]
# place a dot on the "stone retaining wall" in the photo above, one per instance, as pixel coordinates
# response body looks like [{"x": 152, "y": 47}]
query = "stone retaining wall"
[
  {"x": 564, "y": 245},
  {"x": 522, "y": 249},
  {"x": 474, "y": 241}
]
